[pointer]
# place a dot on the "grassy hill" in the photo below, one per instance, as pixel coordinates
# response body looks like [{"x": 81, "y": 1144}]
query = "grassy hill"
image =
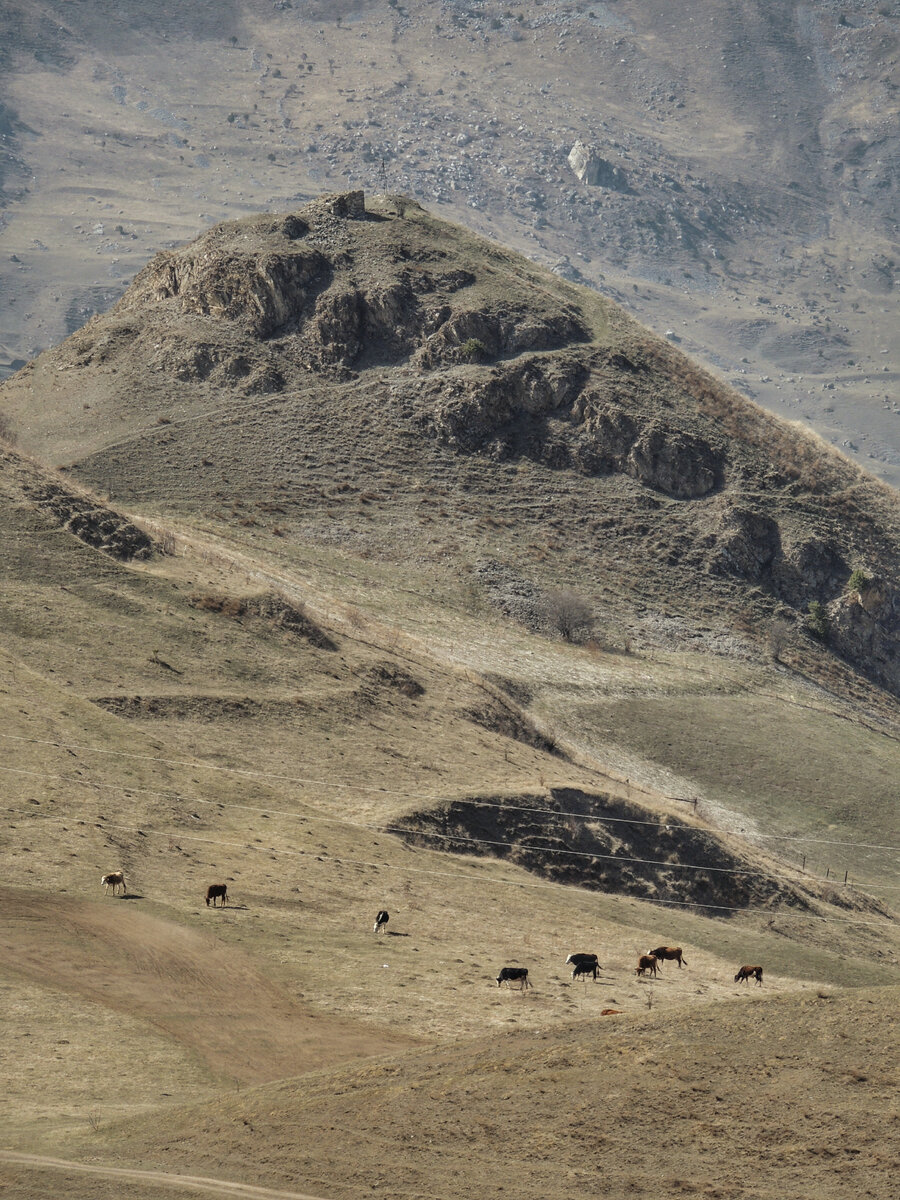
[{"x": 295, "y": 634}]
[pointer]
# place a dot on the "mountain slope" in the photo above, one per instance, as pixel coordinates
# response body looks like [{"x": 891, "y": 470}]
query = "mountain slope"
[{"x": 287, "y": 365}]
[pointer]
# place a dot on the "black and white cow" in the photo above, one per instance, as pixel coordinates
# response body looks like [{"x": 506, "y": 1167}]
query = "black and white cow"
[
  {"x": 508, "y": 973},
  {"x": 381, "y": 920}
]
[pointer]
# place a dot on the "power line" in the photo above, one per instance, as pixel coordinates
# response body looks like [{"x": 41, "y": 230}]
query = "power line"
[
  {"x": 187, "y": 837},
  {"x": 404, "y": 831},
  {"x": 672, "y": 822}
]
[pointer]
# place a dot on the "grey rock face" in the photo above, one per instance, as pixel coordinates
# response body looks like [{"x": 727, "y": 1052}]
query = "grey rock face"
[
  {"x": 865, "y": 627},
  {"x": 748, "y": 544},
  {"x": 594, "y": 170}
]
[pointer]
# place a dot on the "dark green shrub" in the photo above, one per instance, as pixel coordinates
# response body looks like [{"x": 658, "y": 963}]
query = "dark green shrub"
[
  {"x": 859, "y": 581},
  {"x": 817, "y": 620},
  {"x": 473, "y": 350}
]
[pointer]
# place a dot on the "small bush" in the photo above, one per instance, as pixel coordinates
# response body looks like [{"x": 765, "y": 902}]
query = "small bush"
[
  {"x": 228, "y": 606},
  {"x": 778, "y": 638},
  {"x": 473, "y": 350},
  {"x": 859, "y": 581},
  {"x": 817, "y": 620},
  {"x": 569, "y": 614}
]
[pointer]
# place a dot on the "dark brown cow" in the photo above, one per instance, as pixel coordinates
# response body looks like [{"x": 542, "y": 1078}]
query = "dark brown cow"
[
  {"x": 114, "y": 880},
  {"x": 647, "y": 962},
  {"x": 745, "y": 972},
  {"x": 664, "y": 952},
  {"x": 214, "y": 891}
]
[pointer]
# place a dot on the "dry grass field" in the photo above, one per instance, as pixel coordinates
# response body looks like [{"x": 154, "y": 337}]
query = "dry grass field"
[{"x": 149, "y": 1034}]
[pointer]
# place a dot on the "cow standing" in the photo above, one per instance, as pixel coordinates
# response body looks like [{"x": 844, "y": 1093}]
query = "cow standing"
[
  {"x": 584, "y": 964},
  {"x": 114, "y": 880},
  {"x": 661, "y": 953},
  {"x": 647, "y": 962}
]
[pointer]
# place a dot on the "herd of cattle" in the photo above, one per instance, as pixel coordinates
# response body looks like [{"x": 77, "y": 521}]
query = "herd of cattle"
[
  {"x": 587, "y": 964},
  {"x": 581, "y": 964}
]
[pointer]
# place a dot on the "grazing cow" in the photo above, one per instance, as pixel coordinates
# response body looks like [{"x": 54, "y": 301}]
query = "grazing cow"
[
  {"x": 584, "y": 964},
  {"x": 214, "y": 891},
  {"x": 114, "y": 880},
  {"x": 745, "y": 972},
  {"x": 580, "y": 958},
  {"x": 647, "y": 962},
  {"x": 663, "y": 952},
  {"x": 585, "y": 969},
  {"x": 381, "y": 920},
  {"x": 508, "y": 973}
]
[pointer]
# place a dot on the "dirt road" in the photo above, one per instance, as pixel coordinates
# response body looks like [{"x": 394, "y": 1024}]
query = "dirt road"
[{"x": 193, "y": 1183}]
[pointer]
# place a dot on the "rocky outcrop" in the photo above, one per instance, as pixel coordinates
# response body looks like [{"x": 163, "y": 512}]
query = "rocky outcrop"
[
  {"x": 511, "y": 330},
  {"x": 469, "y": 413},
  {"x": 92, "y": 523},
  {"x": 507, "y": 412},
  {"x": 865, "y": 629},
  {"x": 264, "y": 292},
  {"x": 293, "y": 285},
  {"x": 811, "y": 569},
  {"x": 594, "y": 170},
  {"x": 747, "y": 545},
  {"x": 675, "y": 462}
]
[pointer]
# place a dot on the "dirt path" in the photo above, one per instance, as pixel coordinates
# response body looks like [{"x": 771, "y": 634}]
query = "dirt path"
[{"x": 193, "y": 1183}]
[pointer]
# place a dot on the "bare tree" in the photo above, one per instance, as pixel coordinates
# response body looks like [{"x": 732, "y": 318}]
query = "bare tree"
[
  {"x": 779, "y": 637},
  {"x": 569, "y": 614}
]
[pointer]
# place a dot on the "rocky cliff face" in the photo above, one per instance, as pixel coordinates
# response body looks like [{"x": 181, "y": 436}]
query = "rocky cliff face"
[{"x": 865, "y": 628}]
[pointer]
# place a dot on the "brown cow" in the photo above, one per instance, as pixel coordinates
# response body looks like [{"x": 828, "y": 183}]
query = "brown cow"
[
  {"x": 215, "y": 890},
  {"x": 647, "y": 962},
  {"x": 664, "y": 952},
  {"x": 745, "y": 972},
  {"x": 114, "y": 880}
]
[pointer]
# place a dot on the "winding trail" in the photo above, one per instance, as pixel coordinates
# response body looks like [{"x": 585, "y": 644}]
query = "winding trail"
[{"x": 193, "y": 1183}]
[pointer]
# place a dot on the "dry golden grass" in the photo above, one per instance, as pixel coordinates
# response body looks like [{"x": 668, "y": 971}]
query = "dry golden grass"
[{"x": 251, "y": 755}]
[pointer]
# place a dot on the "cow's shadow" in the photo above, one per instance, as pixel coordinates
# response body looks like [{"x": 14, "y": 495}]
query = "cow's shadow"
[
  {"x": 131, "y": 896},
  {"x": 395, "y": 933}
]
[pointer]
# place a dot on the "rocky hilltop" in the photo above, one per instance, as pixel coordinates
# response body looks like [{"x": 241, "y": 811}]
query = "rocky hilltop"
[
  {"x": 337, "y": 371},
  {"x": 727, "y": 173}
]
